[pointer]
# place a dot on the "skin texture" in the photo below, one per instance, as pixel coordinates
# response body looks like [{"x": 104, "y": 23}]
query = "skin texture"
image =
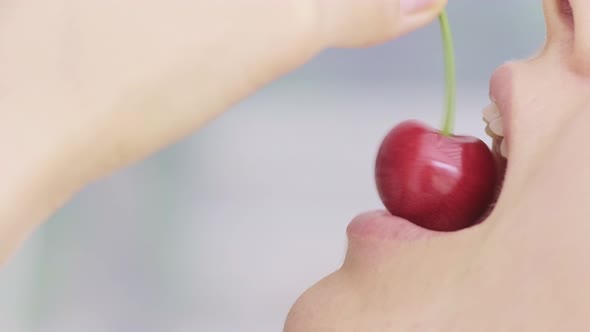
[
  {"x": 73, "y": 88},
  {"x": 90, "y": 86},
  {"x": 526, "y": 267}
]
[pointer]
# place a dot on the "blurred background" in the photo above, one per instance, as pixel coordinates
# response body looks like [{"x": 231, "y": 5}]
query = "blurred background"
[{"x": 224, "y": 230}]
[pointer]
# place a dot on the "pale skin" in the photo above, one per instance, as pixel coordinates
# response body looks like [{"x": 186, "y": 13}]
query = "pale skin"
[
  {"x": 526, "y": 267},
  {"x": 88, "y": 87}
]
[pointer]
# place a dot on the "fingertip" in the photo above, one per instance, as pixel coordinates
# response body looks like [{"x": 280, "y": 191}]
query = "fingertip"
[
  {"x": 354, "y": 23},
  {"x": 427, "y": 13},
  {"x": 410, "y": 7}
]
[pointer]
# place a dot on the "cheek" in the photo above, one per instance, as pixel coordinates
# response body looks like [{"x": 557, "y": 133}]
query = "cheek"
[{"x": 544, "y": 97}]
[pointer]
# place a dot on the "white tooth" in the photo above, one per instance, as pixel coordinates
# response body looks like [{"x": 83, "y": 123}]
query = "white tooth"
[
  {"x": 497, "y": 127},
  {"x": 491, "y": 113},
  {"x": 490, "y": 132},
  {"x": 504, "y": 149}
]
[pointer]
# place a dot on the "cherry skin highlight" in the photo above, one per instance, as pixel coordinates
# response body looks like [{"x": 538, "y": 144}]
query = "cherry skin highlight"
[{"x": 441, "y": 183}]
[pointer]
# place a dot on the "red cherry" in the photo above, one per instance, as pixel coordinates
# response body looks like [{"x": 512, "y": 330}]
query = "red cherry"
[{"x": 442, "y": 183}]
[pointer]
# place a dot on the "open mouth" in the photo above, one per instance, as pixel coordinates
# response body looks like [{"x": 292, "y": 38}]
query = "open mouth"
[
  {"x": 385, "y": 226},
  {"x": 497, "y": 118},
  {"x": 495, "y": 129}
]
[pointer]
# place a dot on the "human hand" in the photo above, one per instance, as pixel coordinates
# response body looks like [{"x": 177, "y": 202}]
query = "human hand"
[{"x": 90, "y": 86}]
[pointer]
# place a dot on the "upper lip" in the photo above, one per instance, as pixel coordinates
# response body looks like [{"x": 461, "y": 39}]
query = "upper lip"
[{"x": 501, "y": 94}]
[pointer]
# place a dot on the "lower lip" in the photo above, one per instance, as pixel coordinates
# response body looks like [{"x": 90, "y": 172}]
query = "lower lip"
[{"x": 381, "y": 225}]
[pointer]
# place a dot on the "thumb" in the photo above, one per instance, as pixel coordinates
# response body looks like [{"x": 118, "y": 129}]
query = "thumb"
[{"x": 355, "y": 23}]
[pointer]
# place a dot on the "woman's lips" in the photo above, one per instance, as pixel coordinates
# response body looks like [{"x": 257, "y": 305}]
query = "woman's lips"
[
  {"x": 381, "y": 225},
  {"x": 501, "y": 94},
  {"x": 501, "y": 89}
]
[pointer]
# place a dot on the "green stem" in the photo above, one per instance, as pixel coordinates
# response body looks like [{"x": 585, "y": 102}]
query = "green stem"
[{"x": 450, "y": 81}]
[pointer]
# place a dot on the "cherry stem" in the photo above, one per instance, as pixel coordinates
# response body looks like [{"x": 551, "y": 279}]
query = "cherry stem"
[{"x": 450, "y": 80}]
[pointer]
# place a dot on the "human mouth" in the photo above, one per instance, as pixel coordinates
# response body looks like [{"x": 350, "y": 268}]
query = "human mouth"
[
  {"x": 495, "y": 127},
  {"x": 496, "y": 117},
  {"x": 381, "y": 225}
]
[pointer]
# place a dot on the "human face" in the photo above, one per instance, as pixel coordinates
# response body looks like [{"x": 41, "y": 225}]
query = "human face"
[{"x": 526, "y": 266}]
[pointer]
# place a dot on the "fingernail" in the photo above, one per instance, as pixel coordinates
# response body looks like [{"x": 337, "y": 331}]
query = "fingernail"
[{"x": 414, "y": 6}]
